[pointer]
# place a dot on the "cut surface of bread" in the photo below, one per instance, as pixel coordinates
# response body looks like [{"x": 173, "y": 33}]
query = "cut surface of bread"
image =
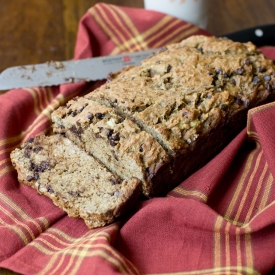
[
  {"x": 73, "y": 180},
  {"x": 116, "y": 141}
]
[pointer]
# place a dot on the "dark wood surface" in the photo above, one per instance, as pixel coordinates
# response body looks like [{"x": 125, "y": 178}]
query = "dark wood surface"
[{"x": 38, "y": 31}]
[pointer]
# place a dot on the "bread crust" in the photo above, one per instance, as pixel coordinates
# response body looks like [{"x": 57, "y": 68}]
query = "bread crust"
[{"x": 192, "y": 98}]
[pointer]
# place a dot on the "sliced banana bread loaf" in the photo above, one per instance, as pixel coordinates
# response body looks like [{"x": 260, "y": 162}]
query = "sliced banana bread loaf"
[
  {"x": 192, "y": 97},
  {"x": 116, "y": 141},
  {"x": 74, "y": 180}
]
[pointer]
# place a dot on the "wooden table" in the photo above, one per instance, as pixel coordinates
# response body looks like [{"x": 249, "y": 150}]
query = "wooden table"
[{"x": 38, "y": 31}]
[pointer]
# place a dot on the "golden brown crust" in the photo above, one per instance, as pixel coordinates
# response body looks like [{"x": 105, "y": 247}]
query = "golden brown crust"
[
  {"x": 189, "y": 88},
  {"x": 189, "y": 91}
]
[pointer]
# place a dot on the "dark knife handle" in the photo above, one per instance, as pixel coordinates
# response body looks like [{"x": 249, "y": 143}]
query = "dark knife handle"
[{"x": 260, "y": 35}]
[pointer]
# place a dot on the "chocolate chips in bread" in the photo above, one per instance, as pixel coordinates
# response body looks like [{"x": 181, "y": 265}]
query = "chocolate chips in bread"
[
  {"x": 74, "y": 180},
  {"x": 116, "y": 141}
]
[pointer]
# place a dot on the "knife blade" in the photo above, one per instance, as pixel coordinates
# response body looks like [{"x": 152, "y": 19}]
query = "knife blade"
[
  {"x": 57, "y": 72},
  {"x": 91, "y": 69}
]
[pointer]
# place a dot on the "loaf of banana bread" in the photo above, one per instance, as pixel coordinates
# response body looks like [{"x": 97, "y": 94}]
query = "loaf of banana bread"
[
  {"x": 166, "y": 118},
  {"x": 73, "y": 180}
]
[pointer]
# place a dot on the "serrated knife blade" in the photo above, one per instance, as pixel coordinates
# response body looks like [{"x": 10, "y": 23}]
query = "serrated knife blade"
[{"x": 62, "y": 72}]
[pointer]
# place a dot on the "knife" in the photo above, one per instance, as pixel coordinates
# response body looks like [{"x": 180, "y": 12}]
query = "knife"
[
  {"x": 91, "y": 69},
  {"x": 57, "y": 72}
]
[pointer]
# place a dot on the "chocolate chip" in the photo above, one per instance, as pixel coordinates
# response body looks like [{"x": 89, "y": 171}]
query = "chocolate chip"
[
  {"x": 168, "y": 69},
  {"x": 49, "y": 190},
  {"x": 225, "y": 75},
  {"x": 37, "y": 149},
  {"x": 233, "y": 81},
  {"x": 255, "y": 79},
  {"x": 200, "y": 49},
  {"x": 112, "y": 142},
  {"x": 44, "y": 165},
  {"x": 90, "y": 116},
  {"x": 240, "y": 71},
  {"x": 115, "y": 137},
  {"x": 246, "y": 62},
  {"x": 30, "y": 140},
  {"x": 30, "y": 178},
  {"x": 262, "y": 69},
  {"x": 140, "y": 149},
  {"x": 33, "y": 167},
  {"x": 76, "y": 131},
  {"x": 27, "y": 155},
  {"x": 97, "y": 135},
  {"x": 185, "y": 114},
  {"x": 267, "y": 77},
  {"x": 219, "y": 71},
  {"x": 74, "y": 113},
  {"x": 69, "y": 112},
  {"x": 107, "y": 87},
  {"x": 114, "y": 181},
  {"x": 36, "y": 176},
  {"x": 115, "y": 101},
  {"x": 99, "y": 115},
  {"x": 74, "y": 193},
  {"x": 81, "y": 109},
  {"x": 109, "y": 132}
]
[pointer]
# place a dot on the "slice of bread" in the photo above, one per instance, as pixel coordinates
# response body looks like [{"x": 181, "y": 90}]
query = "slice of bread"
[
  {"x": 116, "y": 141},
  {"x": 74, "y": 180}
]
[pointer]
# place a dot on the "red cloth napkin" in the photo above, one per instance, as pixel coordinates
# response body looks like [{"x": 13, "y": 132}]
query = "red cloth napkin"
[{"x": 221, "y": 220}]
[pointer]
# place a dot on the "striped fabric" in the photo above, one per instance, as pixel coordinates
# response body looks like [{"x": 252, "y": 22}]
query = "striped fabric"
[{"x": 221, "y": 220}]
